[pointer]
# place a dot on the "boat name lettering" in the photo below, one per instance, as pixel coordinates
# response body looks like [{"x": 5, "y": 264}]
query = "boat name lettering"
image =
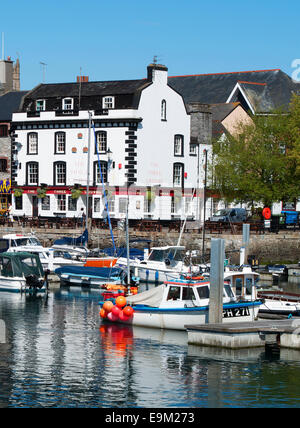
[{"x": 236, "y": 312}]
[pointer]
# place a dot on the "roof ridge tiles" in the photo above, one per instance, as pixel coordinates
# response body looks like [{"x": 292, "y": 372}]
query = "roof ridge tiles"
[
  {"x": 252, "y": 83},
  {"x": 230, "y": 72}
]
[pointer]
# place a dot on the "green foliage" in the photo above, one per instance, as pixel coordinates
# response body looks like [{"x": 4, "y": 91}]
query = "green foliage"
[
  {"x": 261, "y": 162},
  {"x": 76, "y": 193},
  {"x": 41, "y": 192},
  {"x": 18, "y": 193}
]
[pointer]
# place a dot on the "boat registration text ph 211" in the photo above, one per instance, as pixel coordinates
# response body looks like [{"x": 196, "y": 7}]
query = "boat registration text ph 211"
[{"x": 236, "y": 312}]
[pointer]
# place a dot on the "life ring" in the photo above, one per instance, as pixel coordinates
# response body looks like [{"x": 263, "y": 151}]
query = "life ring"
[
  {"x": 195, "y": 278},
  {"x": 266, "y": 212}
]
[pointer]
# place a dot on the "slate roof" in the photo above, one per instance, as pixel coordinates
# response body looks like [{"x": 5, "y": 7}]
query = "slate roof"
[
  {"x": 10, "y": 103},
  {"x": 275, "y": 91},
  {"x": 87, "y": 88}
]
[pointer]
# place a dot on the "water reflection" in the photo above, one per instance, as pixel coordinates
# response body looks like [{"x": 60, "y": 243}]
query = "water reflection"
[{"x": 58, "y": 354}]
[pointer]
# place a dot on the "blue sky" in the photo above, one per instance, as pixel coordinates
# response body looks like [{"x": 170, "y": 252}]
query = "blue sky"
[{"x": 114, "y": 40}]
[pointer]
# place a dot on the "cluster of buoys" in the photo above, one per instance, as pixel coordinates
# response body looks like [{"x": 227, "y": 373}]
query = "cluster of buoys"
[{"x": 118, "y": 311}]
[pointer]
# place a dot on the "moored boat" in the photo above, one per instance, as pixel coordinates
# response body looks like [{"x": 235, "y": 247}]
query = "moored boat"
[
  {"x": 92, "y": 276},
  {"x": 21, "y": 272},
  {"x": 174, "y": 304},
  {"x": 162, "y": 264}
]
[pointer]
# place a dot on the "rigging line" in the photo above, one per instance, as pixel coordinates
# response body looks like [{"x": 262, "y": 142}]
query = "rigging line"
[{"x": 104, "y": 192}]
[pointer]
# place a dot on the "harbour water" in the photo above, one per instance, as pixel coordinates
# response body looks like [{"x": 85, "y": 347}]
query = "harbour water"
[{"x": 57, "y": 353}]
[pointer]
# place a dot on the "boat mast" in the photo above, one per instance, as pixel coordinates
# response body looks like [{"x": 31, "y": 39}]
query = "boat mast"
[{"x": 88, "y": 174}]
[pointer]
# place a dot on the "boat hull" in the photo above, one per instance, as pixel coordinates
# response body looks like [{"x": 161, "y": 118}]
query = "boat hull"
[
  {"x": 101, "y": 262},
  {"x": 17, "y": 285},
  {"x": 177, "y": 319}
]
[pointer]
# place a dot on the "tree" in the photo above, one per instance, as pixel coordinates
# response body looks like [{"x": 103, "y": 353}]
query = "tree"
[{"x": 261, "y": 163}]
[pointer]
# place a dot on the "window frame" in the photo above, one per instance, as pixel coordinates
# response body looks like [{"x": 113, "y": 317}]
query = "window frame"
[
  {"x": 61, "y": 202},
  {"x": 178, "y": 142},
  {"x": 29, "y": 143},
  {"x": 28, "y": 166},
  {"x": 65, "y": 104},
  {"x": 55, "y": 173},
  {"x": 181, "y": 166},
  {"x": 108, "y": 102},
  {"x": 97, "y": 172},
  {"x": 43, "y": 105},
  {"x": 3, "y": 164},
  {"x": 56, "y": 143},
  {"x": 104, "y": 143},
  {"x": 163, "y": 110}
]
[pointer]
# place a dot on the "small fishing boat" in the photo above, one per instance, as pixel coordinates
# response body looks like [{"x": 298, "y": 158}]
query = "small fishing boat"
[
  {"x": 174, "y": 304},
  {"x": 92, "y": 276},
  {"x": 22, "y": 272}
]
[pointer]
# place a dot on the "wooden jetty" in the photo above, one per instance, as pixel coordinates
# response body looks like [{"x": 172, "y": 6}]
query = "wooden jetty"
[{"x": 286, "y": 333}]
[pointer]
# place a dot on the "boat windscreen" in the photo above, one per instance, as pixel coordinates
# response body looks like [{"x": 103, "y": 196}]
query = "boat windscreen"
[
  {"x": 20, "y": 242},
  {"x": 175, "y": 254},
  {"x": 228, "y": 290},
  {"x": 157, "y": 255}
]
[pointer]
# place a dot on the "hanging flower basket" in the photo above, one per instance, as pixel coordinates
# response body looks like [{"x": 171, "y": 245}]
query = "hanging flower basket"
[
  {"x": 74, "y": 149},
  {"x": 41, "y": 192},
  {"x": 85, "y": 149},
  {"x": 76, "y": 193},
  {"x": 18, "y": 193}
]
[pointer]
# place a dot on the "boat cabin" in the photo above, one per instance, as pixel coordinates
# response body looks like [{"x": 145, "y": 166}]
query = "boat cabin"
[
  {"x": 168, "y": 255},
  {"x": 14, "y": 240},
  {"x": 20, "y": 264},
  {"x": 187, "y": 294},
  {"x": 243, "y": 281}
]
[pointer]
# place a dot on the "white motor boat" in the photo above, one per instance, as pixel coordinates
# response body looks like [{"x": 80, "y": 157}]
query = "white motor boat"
[
  {"x": 50, "y": 258},
  {"x": 21, "y": 272},
  {"x": 175, "y": 304},
  {"x": 163, "y": 263}
]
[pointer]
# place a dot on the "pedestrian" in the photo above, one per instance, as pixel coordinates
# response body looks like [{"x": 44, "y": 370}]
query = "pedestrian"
[
  {"x": 10, "y": 213},
  {"x": 82, "y": 217}
]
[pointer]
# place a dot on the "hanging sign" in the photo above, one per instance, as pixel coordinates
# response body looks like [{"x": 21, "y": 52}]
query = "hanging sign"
[{"x": 5, "y": 186}]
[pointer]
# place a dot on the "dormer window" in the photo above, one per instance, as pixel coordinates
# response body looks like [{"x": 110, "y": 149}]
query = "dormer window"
[
  {"x": 67, "y": 104},
  {"x": 108, "y": 102},
  {"x": 40, "y": 105}
]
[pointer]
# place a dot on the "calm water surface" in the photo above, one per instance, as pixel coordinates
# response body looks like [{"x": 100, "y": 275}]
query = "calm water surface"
[{"x": 58, "y": 354}]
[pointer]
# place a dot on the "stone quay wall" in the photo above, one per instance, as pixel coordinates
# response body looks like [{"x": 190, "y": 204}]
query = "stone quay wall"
[{"x": 268, "y": 247}]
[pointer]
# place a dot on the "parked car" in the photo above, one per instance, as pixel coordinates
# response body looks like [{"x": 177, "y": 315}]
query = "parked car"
[{"x": 233, "y": 215}]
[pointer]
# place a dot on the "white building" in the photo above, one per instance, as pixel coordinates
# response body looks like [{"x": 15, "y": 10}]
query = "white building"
[{"x": 142, "y": 131}]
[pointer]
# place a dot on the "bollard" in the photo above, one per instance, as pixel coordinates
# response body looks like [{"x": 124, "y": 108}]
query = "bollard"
[{"x": 217, "y": 256}]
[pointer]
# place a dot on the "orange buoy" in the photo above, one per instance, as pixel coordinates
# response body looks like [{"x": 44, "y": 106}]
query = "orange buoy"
[
  {"x": 103, "y": 313},
  {"x": 128, "y": 311},
  {"x": 120, "y": 301},
  {"x": 108, "y": 305}
]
